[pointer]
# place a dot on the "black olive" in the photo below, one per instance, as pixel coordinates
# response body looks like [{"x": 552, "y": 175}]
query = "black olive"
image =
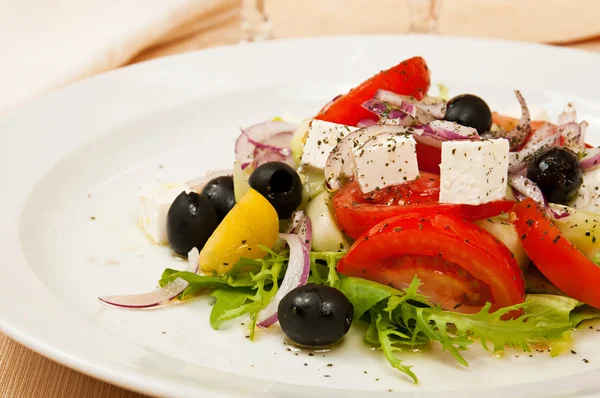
[
  {"x": 557, "y": 172},
  {"x": 190, "y": 222},
  {"x": 280, "y": 184},
  {"x": 471, "y": 111},
  {"x": 219, "y": 191},
  {"x": 315, "y": 315}
]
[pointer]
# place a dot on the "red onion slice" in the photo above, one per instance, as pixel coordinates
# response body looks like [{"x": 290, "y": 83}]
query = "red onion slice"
[
  {"x": 527, "y": 188},
  {"x": 430, "y": 140},
  {"x": 453, "y": 131},
  {"x": 296, "y": 275},
  {"x": 257, "y": 136},
  {"x": 281, "y": 141},
  {"x": 275, "y": 149},
  {"x": 557, "y": 214},
  {"x": 517, "y": 136},
  {"x": 591, "y": 159},
  {"x": 338, "y": 163},
  {"x": 387, "y": 111},
  {"x": 402, "y": 115},
  {"x": 193, "y": 260},
  {"x": 365, "y": 123},
  {"x": 436, "y": 132},
  {"x": 408, "y": 108},
  {"x": 568, "y": 115},
  {"x": 544, "y": 137},
  {"x": 262, "y": 156},
  {"x": 435, "y": 107},
  {"x": 301, "y": 225},
  {"x": 398, "y": 119},
  {"x": 151, "y": 299},
  {"x": 584, "y": 126},
  {"x": 427, "y": 110},
  {"x": 571, "y": 132},
  {"x": 379, "y": 108}
]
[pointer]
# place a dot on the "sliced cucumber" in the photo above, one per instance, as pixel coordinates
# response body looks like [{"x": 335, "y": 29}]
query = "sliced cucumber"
[
  {"x": 299, "y": 139},
  {"x": 506, "y": 232},
  {"x": 580, "y": 227},
  {"x": 313, "y": 183},
  {"x": 326, "y": 234},
  {"x": 240, "y": 180}
]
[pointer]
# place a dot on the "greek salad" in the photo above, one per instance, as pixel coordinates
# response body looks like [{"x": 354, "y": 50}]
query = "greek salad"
[{"x": 420, "y": 219}]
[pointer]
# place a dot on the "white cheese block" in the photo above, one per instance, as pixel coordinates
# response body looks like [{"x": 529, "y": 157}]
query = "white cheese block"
[
  {"x": 473, "y": 172},
  {"x": 387, "y": 159},
  {"x": 154, "y": 202},
  {"x": 588, "y": 194},
  {"x": 322, "y": 138}
]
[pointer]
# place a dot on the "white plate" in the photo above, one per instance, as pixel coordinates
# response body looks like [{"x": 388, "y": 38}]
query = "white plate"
[{"x": 82, "y": 152}]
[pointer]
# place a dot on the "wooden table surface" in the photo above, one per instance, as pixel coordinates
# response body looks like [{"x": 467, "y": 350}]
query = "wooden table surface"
[{"x": 23, "y": 373}]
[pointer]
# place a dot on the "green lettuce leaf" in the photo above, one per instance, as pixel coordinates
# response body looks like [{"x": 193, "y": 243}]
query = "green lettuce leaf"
[
  {"x": 400, "y": 320},
  {"x": 391, "y": 340},
  {"x": 395, "y": 320},
  {"x": 583, "y": 313},
  {"x": 246, "y": 289},
  {"x": 364, "y": 294},
  {"x": 227, "y": 299},
  {"x": 266, "y": 284},
  {"x": 323, "y": 266},
  {"x": 204, "y": 281}
]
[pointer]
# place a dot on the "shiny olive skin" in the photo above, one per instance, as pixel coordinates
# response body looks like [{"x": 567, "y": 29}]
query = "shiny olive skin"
[
  {"x": 191, "y": 220},
  {"x": 280, "y": 184},
  {"x": 471, "y": 111},
  {"x": 219, "y": 191},
  {"x": 557, "y": 173},
  {"x": 315, "y": 315}
]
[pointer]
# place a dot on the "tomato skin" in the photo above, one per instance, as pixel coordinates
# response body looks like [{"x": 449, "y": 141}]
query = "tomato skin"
[
  {"x": 393, "y": 251},
  {"x": 557, "y": 258},
  {"x": 356, "y": 213},
  {"x": 429, "y": 158},
  {"x": 409, "y": 77}
]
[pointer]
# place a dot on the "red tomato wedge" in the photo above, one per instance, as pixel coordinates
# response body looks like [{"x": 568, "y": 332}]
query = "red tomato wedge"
[
  {"x": 409, "y": 77},
  {"x": 356, "y": 212},
  {"x": 461, "y": 266},
  {"x": 557, "y": 258},
  {"x": 429, "y": 158}
]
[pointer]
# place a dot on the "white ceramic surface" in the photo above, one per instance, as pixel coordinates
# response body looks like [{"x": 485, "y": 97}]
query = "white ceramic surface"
[{"x": 82, "y": 152}]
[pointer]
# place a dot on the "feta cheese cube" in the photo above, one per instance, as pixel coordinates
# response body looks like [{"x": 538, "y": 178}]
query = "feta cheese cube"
[
  {"x": 322, "y": 138},
  {"x": 384, "y": 160},
  {"x": 474, "y": 172},
  {"x": 588, "y": 194},
  {"x": 154, "y": 202}
]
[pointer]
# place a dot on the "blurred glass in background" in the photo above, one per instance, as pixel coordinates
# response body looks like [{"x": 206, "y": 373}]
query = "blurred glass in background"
[
  {"x": 549, "y": 21},
  {"x": 256, "y": 26}
]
